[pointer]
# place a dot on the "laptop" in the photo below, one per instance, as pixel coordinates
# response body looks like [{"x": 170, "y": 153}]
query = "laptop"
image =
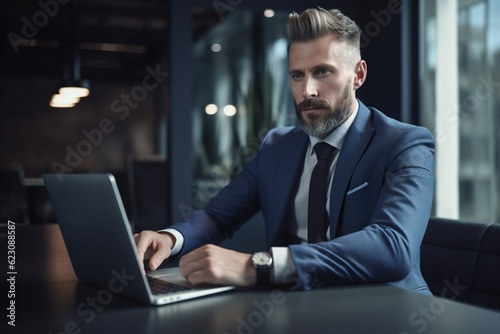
[{"x": 100, "y": 244}]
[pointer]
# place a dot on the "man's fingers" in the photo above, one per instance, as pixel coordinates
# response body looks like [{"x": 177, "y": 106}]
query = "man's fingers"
[
  {"x": 203, "y": 277},
  {"x": 142, "y": 243},
  {"x": 215, "y": 265},
  {"x": 196, "y": 260},
  {"x": 200, "y": 271},
  {"x": 161, "y": 252},
  {"x": 154, "y": 245}
]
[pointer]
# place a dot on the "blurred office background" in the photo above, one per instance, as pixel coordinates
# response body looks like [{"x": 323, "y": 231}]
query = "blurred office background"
[{"x": 183, "y": 92}]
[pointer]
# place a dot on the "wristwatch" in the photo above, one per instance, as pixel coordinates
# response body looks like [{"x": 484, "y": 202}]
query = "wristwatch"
[{"x": 262, "y": 261}]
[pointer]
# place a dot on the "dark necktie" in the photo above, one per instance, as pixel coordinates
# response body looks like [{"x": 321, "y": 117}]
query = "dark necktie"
[{"x": 317, "y": 217}]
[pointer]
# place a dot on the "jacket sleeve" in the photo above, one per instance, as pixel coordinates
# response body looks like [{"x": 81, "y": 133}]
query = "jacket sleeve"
[{"x": 389, "y": 245}]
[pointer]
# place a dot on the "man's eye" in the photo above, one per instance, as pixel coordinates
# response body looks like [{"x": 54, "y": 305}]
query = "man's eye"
[
  {"x": 323, "y": 71},
  {"x": 297, "y": 76}
]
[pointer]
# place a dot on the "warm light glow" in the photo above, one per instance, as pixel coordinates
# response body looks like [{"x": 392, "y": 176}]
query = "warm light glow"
[
  {"x": 61, "y": 105},
  {"x": 211, "y": 109},
  {"x": 216, "y": 47},
  {"x": 65, "y": 99},
  {"x": 74, "y": 91},
  {"x": 269, "y": 13},
  {"x": 229, "y": 110}
]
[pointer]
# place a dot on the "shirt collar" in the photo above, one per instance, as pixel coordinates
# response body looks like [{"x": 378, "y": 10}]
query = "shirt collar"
[{"x": 336, "y": 138}]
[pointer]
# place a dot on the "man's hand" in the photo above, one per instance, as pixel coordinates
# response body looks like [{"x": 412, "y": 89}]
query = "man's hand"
[
  {"x": 215, "y": 265},
  {"x": 154, "y": 245}
]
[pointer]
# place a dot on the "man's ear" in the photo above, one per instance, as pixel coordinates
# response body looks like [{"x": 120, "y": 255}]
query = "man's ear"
[{"x": 360, "y": 72}]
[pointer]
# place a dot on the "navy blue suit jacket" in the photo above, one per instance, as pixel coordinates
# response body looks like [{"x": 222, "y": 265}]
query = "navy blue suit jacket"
[{"x": 380, "y": 203}]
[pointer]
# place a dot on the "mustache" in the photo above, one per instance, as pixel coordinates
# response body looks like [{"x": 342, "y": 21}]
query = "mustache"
[{"x": 313, "y": 103}]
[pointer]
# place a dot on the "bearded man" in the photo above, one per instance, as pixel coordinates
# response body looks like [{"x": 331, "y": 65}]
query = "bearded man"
[{"x": 346, "y": 195}]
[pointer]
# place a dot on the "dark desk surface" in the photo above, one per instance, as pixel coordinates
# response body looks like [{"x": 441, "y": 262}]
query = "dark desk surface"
[{"x": 49, "y": 299}]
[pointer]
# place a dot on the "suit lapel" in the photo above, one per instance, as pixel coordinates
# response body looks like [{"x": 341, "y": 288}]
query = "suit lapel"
[
  {"x": 356, "y": 140},
  {"x": 287, "y": 174}
]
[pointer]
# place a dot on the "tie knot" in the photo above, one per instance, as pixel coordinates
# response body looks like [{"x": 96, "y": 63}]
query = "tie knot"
[{"x": 323, "y": 150}]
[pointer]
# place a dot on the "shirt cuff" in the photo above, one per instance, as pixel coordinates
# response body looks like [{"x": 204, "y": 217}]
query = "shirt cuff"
[
  {"x": 179, "y": 240},
  {"x": 283, "y": 268}
]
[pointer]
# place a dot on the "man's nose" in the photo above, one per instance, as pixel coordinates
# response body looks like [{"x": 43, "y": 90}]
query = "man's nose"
[{"x": 309, "y": 88}]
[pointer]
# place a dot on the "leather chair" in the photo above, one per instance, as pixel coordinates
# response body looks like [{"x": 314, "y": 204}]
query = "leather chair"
[
  {"x": 486, "y": 284},
  {"x": 461, "y": 261}
]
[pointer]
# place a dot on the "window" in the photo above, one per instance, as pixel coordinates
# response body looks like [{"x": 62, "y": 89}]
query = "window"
[
  {"x": 460, "y": 78},
  {"x": 240, "y": 92}
]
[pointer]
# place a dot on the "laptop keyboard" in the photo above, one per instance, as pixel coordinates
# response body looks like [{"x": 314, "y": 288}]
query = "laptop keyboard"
[{"x": 159, "y": 287}]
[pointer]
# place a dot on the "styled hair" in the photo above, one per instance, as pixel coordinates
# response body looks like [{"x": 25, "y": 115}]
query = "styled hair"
[{"x": 314, "y": 23}]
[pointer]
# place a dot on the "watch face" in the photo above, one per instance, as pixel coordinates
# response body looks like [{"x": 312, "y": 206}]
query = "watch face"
[{"x": 262, "y": 259}]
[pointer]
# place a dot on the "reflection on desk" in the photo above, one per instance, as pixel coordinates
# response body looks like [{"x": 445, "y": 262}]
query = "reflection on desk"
[{"x": 49, "y": 299}]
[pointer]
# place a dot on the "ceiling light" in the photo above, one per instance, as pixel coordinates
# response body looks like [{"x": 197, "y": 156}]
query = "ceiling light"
[
  {"x": 61, "y": 105},
  {"x": 75, "y": 89},
  {"x": 216, "y": 47},
  {"x": 211, "y": 109},
  {"x": 229, "y": 110},
  {"x": 269, "y": 13},
  {"x": 64, "y": 99}
]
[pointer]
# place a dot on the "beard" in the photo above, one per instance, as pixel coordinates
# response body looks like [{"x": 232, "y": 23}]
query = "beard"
[{"x": 321, "y": 126}]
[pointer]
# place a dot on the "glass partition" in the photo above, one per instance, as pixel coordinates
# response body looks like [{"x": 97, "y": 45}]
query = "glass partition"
[{"x": 240, "y": 91}]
